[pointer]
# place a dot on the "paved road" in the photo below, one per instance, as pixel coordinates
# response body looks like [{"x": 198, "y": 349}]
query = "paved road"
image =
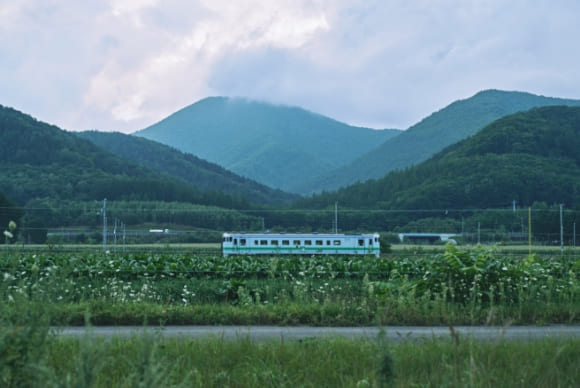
[{"x": 390, "y": 333}]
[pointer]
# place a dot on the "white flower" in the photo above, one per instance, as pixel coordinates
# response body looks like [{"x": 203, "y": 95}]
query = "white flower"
[{"x": 8, "y": 234}]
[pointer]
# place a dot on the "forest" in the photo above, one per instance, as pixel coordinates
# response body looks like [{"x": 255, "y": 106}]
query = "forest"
[
  {"x": 527, "y": 157},
  {"x": 50, "y": 178}
]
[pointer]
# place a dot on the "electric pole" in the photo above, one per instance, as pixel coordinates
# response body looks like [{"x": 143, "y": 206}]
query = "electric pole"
[{"x": 104, "y": 211}]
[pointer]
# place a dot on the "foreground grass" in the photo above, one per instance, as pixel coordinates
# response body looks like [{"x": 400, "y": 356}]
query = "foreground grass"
[{"x": 149, "y": 360}]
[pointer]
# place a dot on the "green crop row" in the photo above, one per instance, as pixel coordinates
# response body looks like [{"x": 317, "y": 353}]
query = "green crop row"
[{"x": 456, "y": 285}]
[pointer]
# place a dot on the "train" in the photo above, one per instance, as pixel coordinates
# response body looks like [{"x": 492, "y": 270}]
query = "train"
[{"x": 300, "y": 244}]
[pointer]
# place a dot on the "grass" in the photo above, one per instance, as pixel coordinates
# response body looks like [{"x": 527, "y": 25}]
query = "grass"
[
  {"x": 296, "y": 313},
  {"x": 149, "y": 360},
  {"x": 455, "y": 287}
]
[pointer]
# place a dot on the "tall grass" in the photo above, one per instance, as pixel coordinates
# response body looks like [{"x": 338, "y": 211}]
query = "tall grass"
[{"x": 152, "y": 361}]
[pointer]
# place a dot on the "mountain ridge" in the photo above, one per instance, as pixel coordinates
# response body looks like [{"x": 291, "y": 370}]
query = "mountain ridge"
[
  {"x": 39, "y": 160},
  {"x": 527, "y": 156},
  {"x": 186, "y": 167},
  {"x": 242, "y": 135},
  {"x": 431, "y": 135}
]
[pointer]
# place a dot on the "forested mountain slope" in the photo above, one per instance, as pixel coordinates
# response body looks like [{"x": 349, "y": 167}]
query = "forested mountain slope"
[
  {"x": 190, "y": 169},
  {"x": 38, "y": 160},
  {"x": 528, "y": 157},
  {"x": 278, "y": 146},
  {"x": 455, "y": 122}
]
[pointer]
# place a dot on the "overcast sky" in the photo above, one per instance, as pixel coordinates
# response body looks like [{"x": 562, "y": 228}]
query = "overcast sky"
[{"x": 121, "y": 65}]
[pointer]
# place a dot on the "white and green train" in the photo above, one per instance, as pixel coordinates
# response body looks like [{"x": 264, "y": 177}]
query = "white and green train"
[{"x": 300, "y": 244}]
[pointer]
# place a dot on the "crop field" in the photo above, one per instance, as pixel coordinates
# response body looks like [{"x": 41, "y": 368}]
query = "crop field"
[{"x": 449, "y": 286}]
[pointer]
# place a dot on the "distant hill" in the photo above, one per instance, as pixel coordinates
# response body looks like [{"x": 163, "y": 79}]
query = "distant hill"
[
  {"x": 190, "y": 169},
  {"x": 275, "y": 145},
  {"x": 528, "y": 156},
  {"x": 455, "y": 122},
  {"x": 38, "y": 160}
]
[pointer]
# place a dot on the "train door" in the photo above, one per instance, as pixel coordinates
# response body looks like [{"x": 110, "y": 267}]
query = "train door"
[{"x": 360, "y": 245}]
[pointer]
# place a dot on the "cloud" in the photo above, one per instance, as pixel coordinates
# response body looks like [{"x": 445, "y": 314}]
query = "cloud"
[
  {"x": 174, "y": 72},
  {"x": 125, "y": 64}
]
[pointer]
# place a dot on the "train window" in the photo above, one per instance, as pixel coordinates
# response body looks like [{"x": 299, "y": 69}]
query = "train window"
[
  {"x": 255, "y": 242},
  {"x": 274, "y": 242},
  {"x": 361, "y": 242},
  {"x": 263, "y": 242},
  {"x": 370, "y": 241},
  {"x": 307, "y": 242},
  {"x": 285, "y": 242},
  {"x": 297, "y": 242},
  {"x": 318, "y": 242},
  {"x": 235, "y": 241},
  {"x": 336, "y": 242},
  {"x": 242, "y": 241},
  {"x": 327, "y": 242}
]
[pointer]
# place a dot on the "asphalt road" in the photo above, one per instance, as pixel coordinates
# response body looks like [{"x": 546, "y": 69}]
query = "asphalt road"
[{"x": 282, "y": 333}]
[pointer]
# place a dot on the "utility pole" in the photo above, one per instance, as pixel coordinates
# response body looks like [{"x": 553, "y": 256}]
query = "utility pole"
[
  {"x": 529, "y": 230},
  {"x": 336, "y": 218},
  {"x": 115, "y": 236},
  {"x": 561, "y": 231},
  {"x": 104, "y": 211}
]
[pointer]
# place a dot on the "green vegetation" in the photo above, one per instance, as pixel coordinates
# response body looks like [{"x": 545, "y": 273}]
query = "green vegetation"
[
  {"x": 528, "y": 157},
  {"x": 451, "y": 124},
  {"x": 454, "y": 287},
  {"x": 276, "y": 145},
  {"x": 32, "y": 357},
  {"x": 87, "y": 213},
  {"x": 204, "y": 176},
  {"x": 451, "y": 287},
  {"x": 60, "y": 181},
  {"x": 38, "y": 160}
]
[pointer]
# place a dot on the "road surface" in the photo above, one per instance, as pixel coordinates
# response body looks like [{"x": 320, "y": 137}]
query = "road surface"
[{"x": 388, "y": 333}]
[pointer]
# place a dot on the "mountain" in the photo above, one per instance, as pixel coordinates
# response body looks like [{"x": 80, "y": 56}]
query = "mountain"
[
  {"x": 455, "y": 122},
  {"x": 275, "y": 145},
  {"x": 529, "y": 157},
  {"x": 38, "y": 160},
  {"x": 190, "y": 169}
]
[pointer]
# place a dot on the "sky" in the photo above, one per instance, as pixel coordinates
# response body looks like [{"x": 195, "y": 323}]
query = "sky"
[{"x": 122, "y": 65}]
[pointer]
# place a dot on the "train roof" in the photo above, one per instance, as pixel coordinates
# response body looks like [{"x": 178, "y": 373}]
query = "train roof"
[{"x": 297, "y": 235}]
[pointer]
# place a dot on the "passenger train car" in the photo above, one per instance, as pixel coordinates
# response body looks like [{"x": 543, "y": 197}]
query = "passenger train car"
[{"x": 300, "y": 244}]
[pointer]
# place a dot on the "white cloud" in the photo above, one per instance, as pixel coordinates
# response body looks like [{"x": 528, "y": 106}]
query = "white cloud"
[
  {"x": 124, "y": 64},
  {"x": 173, "y": 73},
  {"x": 121, "y": 7}
]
